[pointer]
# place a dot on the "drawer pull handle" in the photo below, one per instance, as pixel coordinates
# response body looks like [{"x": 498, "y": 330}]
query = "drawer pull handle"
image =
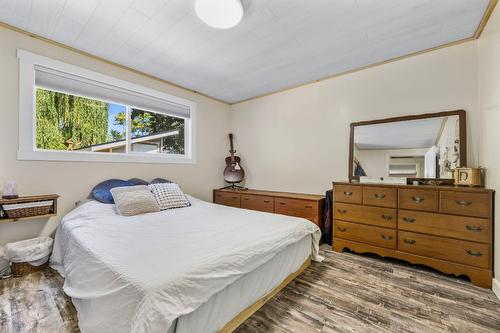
[
  {"x": 410, "y": 241},
  {"x": 387, "y": 217},
  {"x": 409, "y": 219},
  {"x": 379, "y": 195},
  {"x": 341, "y": 229},
  {"x": 308, "y": 206},
  {"x": 384, "y": 237},
  {"x": 473, "y": 228},
  {"x": 417, "y": 199},
  {"x": 282, "y": 203},
  {"x": 464, "y": 203},
  {"x": 342, "y": 211},
  {"x": 246, "y": 199},
  {"x": 474, "y": 253},
  {"x": 266, "y": 201},
  {"x": 234, "y": 197},
  {"x": 347, "y": 193}
]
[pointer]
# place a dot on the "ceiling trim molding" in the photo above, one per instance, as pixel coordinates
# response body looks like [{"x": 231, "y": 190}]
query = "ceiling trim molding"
[
  {"x": 486, "y": 17},
  {"x": 487, "y": 14},
  {"x": 135, "y": 71},
  {"x": 441, "y": 130}
]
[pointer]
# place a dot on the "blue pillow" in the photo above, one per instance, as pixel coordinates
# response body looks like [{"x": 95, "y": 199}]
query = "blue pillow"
[
  {"x": 137, "y": 181},
  {"x": 161, "y": 181},
  {"x": 101, "y": 192}
]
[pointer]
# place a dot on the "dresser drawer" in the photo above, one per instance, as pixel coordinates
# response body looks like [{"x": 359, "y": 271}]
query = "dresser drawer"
[
  {"x": 257, "y": 202},
  {"x": 418, "y": 199},
  {"x": 366, "y": 234},
  {"x": 461, "y": 227},
  {"x": 467, "y": 204},
  {"x": 227, "y": 199},
  {"x": 378, "y": 216},
  {"x": 349, "y": 194},
  {"x": 380, "y": 196},
  {"x": 463, "y": 252},
  {"x": 296, "y": 207}
]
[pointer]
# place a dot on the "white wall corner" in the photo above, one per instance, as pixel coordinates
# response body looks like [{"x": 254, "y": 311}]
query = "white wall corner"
[{"x": 496, "y": 287}]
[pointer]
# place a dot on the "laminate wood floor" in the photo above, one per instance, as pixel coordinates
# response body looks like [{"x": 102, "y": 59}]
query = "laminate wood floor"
[{"x": 345, "y": 293}]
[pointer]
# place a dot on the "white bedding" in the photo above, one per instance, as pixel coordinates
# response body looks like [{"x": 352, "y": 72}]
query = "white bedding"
[
  {"x": 140, "y": 273},
  {"x": 212, "y": 315}
]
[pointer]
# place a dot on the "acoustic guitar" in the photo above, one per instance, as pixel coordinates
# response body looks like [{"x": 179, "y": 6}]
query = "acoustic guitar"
[{"x": 233, "y": 173}]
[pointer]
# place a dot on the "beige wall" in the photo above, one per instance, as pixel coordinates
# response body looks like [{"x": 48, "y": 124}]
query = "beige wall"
[
  {"x": 73, "y": 181},
  {"x": 489, "y": 101},
  {"x": 297, "y": 140}
]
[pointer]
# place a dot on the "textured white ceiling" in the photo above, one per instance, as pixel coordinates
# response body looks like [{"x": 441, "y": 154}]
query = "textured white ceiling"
[
  {"x": 421, "y": 133},
  {"x": 279, "y": 44}
]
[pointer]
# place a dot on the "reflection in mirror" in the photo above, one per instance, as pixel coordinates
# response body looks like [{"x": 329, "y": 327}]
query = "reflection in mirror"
[{"x": 421, "y": 148}]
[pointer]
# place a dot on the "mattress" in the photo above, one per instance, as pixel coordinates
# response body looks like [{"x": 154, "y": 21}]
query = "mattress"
[
  {"x": 144, "y": 273},
  {"x": 229, "y": 302}
]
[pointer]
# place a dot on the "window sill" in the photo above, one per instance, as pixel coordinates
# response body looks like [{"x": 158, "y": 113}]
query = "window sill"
[{"x": 102, "y": 157}]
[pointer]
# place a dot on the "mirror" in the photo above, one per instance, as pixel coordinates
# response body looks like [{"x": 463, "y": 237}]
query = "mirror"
[{"x": 422, "y": 146}]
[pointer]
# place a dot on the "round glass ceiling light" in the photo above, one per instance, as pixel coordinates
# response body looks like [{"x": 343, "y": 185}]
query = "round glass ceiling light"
[{"x": 221, "y": 14}]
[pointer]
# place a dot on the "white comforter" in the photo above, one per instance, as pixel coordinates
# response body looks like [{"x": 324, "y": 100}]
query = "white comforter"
[{"x": 140, "y": 273}]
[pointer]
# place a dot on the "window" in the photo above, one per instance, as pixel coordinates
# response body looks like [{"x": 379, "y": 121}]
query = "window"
[
  {"x": 156, "y": 133},
  {"x": 72, "y": 123},
  {"x": 76, "y": 114}
]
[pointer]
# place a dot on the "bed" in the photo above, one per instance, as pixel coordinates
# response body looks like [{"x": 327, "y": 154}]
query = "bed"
[{"x": 203, "y": 268}]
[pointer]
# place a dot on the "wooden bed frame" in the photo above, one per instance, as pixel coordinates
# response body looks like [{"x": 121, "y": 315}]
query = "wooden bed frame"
[{"x": 246, "y": 313}]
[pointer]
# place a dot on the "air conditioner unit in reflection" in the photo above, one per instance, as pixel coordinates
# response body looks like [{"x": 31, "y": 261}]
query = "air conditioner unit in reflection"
[{"x": 403, "y": 169}]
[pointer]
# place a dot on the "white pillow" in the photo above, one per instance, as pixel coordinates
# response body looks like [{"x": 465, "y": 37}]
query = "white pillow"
[
  {"x": 169, "y": 195},
  {"x": 134, "y": 200}
]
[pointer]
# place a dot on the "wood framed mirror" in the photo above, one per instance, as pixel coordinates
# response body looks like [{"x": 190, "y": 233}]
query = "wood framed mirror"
[{"x": 426, "y": 146}]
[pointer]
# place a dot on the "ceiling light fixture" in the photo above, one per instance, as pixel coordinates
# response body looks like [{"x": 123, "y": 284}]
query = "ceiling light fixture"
[{"x": 221, "y": 14}]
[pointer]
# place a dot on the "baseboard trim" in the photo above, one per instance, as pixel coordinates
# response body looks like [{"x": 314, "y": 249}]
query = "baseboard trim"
[{"x": 496, "y": 287}]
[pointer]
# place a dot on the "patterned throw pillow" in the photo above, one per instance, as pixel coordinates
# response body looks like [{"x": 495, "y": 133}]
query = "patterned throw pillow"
[
  {"x": 169, "y": 195},
  {"x": 134, "y": 200}
]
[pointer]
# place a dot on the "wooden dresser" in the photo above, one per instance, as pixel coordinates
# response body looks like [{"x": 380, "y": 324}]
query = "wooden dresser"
[
  {"x": 308, "y": 206},
  {"x": 447, "y": 228}
]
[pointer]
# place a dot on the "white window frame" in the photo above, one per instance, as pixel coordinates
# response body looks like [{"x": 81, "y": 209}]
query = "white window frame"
[{"x": 27, "y": 117}]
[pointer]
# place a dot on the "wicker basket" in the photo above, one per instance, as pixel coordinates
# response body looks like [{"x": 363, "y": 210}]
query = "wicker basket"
[
  {"x": 29, "y": 211},
  {"x": 23, "y": 268}
]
